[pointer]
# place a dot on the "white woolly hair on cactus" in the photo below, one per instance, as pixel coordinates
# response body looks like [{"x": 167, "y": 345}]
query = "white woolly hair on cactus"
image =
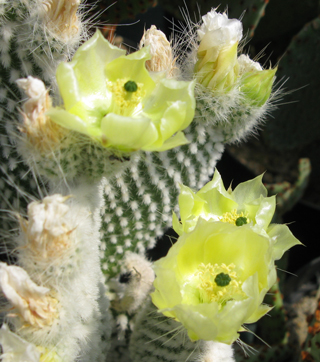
[
  {"x": 133, "y": 285},
  {"x": 215, "y": 352}
]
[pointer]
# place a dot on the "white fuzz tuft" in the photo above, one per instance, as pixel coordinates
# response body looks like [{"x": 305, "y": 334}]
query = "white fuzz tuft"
[
  {"x": 49, "y": 237},
  {"x": 133, "y": 284},
  {"x": 216, "y": 352},
  {"x": 38, "y": 101}
]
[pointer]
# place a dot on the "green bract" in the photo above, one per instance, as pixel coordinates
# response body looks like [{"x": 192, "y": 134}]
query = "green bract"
[
  {"x": 192, "y": 284},
  {"x": 113, "y": 99},
  {"x": 247, "y": 204}
]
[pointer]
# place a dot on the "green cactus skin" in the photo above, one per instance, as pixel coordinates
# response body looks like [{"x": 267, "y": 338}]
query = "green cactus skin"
[
  {"x": 140, "y": 200},
  {"x": 283, "y": 19}
]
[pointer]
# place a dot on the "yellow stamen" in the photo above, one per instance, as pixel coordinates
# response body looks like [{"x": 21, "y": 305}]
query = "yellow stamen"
[{"x": 231, "y": 217}]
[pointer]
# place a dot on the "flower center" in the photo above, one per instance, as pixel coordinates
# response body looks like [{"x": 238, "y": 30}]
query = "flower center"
[
  {"x": 218, "y": 283},
  {"x": 127, "y": 96},
  {"x": 234, "y": 218}
]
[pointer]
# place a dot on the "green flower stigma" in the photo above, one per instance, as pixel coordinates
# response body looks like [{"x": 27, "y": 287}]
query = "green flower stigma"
[
  {"x": 241, "y": 221},
  {"x": 131, "y": 86},
  {"x": 234, "y": 218},
  {"x": 222, "y": 279}
]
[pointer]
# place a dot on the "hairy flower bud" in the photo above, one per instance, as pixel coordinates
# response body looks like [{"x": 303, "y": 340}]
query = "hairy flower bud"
[
  {"x": 256, "y": 83},
  {"x": 217, "y": 66}
]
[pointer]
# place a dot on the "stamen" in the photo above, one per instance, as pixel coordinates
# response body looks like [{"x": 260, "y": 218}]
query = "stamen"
[{"x": 235, "y": 218}]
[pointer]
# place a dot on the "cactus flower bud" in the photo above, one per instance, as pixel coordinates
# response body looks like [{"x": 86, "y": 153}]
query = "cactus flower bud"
[
  {"x": 217, "y": 66},
  {"x": 256, "y": 83}
]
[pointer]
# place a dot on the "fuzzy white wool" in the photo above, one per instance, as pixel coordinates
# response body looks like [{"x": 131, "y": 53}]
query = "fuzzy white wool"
[
  {"x": 218, "y": 29},
  {"x": 216, "y": 352},
  {"x": 131, "y": 294},
  {"x": 16, "y": 349}
]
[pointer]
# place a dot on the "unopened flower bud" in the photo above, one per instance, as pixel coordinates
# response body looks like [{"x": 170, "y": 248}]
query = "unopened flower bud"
[
  {"x": 217, "y": 66},
  {"x": 256, "y": 83}
]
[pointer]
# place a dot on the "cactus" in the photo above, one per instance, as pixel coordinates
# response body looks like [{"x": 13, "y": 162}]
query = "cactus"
[{"x": 101, "y": 195}]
